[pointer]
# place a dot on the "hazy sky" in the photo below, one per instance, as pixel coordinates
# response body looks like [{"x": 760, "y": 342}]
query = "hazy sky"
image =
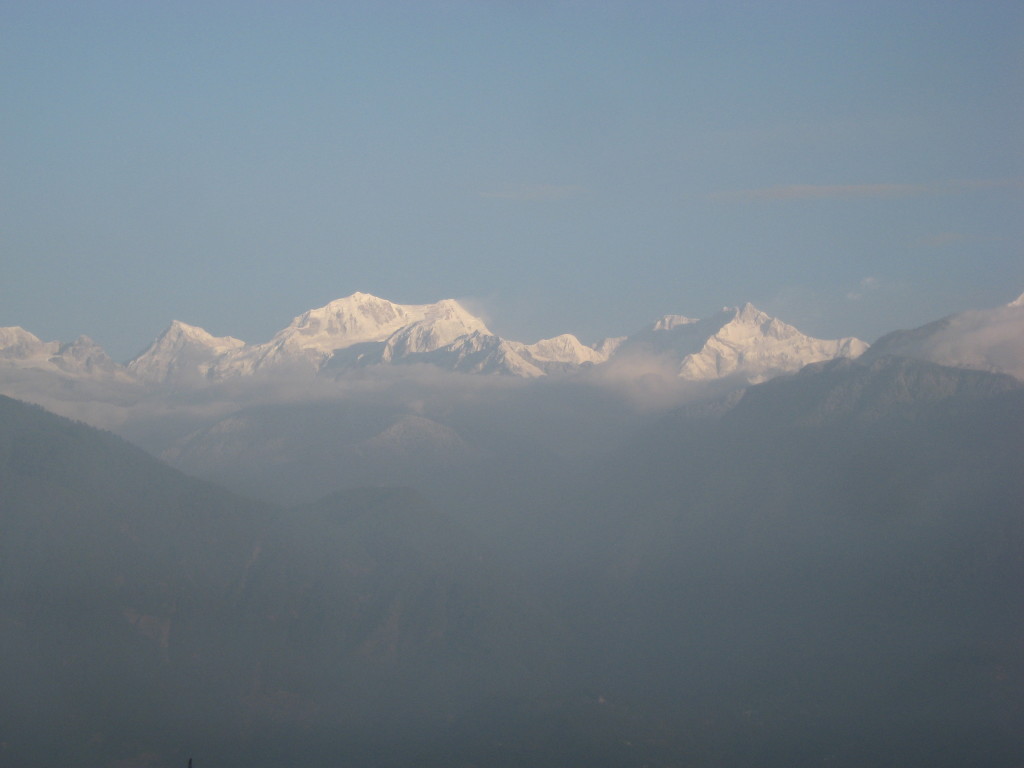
[{"x": 566, "y": 166}]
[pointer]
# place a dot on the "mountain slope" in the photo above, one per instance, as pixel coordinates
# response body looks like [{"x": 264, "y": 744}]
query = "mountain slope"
[
  {"x": 560, "y": 354},
  {"x": 107, "y": 562},
  {"x": 839, "y": 554},
  {"x": 81, "y": 358},
  {"x": 386, "y": 332},
  {"x": 144, "y": 613},
  {"x": 984, "y": 339},
  {"x": 182, "y": 354},
  {"x": 741, "y": 343}
]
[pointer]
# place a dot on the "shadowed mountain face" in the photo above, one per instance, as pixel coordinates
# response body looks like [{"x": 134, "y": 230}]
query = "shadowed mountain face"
[
  {"x": 106, "y": 557},
  {"x": 825, "y": 571},
  {"x": 148, "y": 614},
  {"x": 829, "y": 573}
]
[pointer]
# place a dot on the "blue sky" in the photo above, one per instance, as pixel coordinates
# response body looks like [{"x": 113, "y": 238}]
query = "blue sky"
[{"x": 573, "y": 167}]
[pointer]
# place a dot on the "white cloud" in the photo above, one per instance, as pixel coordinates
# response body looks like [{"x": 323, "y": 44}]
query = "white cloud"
[{"x": 864, "y": 287}]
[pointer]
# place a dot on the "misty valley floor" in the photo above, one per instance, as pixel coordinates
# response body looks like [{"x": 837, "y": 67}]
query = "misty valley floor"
[{"x": 824, "y": 572}]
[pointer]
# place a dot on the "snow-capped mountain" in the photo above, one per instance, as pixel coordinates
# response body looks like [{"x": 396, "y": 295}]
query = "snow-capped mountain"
[
  {"x": 481, "y": 353},
  {"x": 18, "y": 347},
  {"x": 84, "y": 356},
  {"x": 559, "y": 354},
  {"x": 983, "y": 339},
  {"x": 742, "y": 343},
  {"x": 355, "y": 331},
  {"x": 374, "y": 330},
  {"x": 182, "y": 353},
  {"x": 80, "y": 358},
  {"x": 361, "y": 330}
]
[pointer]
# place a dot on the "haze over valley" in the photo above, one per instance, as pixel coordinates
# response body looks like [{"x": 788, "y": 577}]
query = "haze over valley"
[
  {"x": 709, "y": 542},
  {"x": 446, "y": 384}
]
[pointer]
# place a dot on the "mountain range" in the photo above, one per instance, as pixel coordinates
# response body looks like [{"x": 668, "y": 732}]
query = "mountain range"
[
  {"x": 388, "y": 537},
  {"x": 360, "y": 330},
  {"x": 364, "y": 391}
]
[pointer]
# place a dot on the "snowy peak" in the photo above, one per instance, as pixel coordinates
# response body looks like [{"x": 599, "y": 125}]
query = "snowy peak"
[
  {"x": 82, "y": 358},
  {"x": 671, "y": 337},
  {"x": 85, "y": 356},
  {"x": 482, "y": 353},
  {"x": 344, "y": 322},
  {"x": 559, "y": 354},
  {"x": 741, "y": 343},
  {"x": 749, "y": 322},
  {"x": 982, "y": 339},
  {"x": 668, "y": 322},
  {"x": 371, "y": 329},
  {"x": 753, "y": 347},
  {"x": 361, "y": 318},
  {"x": 564, "y": 349},
  {"x": 441, "y": 324},
  {"x": 360, "y": 330},
  {"x": 748, "y": 313},
  {"x": 182, "y": 352},
  {"x": 606, "y": 347},
  {"x": 18, "y": 344},
  {"x": 179, "y": 333}
]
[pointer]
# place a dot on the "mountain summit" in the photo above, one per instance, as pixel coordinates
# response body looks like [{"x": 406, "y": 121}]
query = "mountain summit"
[
  {"x": 83, "y": 357},
  {"x": 384, "y": 332},
  {"x": 742, "y": 344},
  {"x": 738, "y": 342},
  {"x": 182, "y": 352}
]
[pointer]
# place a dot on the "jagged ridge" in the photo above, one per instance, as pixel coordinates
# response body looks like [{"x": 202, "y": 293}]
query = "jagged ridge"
[{"x": 361, "y": 330}]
